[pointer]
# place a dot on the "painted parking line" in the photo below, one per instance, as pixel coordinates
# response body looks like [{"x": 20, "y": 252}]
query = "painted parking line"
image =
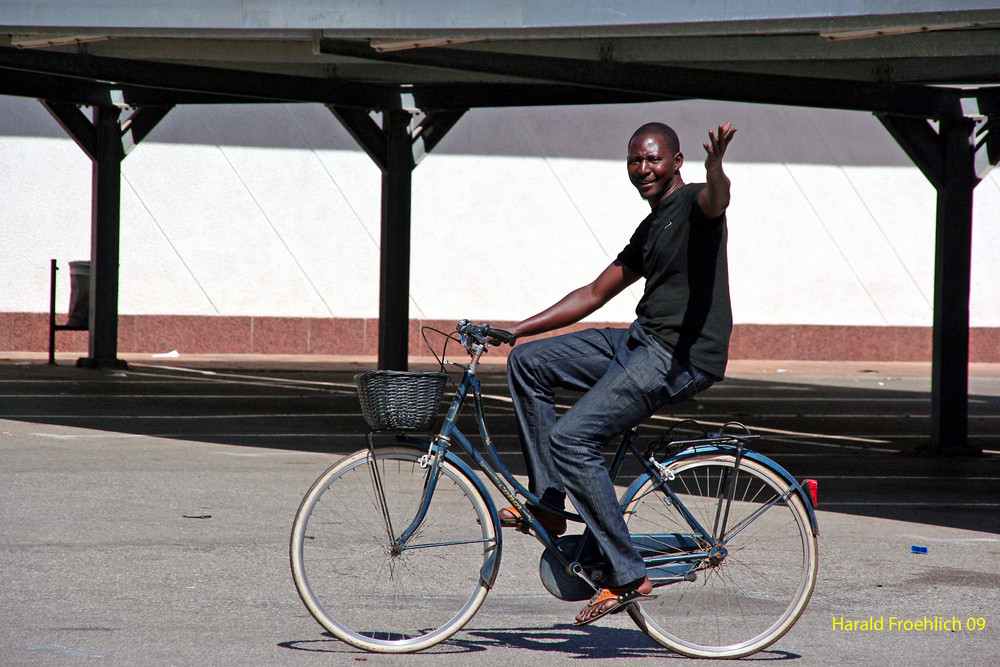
[
  {"x": 250, "y": 380},
  {"x": 919, "y": 399},
  {"x": 231, "y": 415},
  {"x": 191, "y": 435},
  {"x": 135, "y": 396},
  {"x": 952, "y": 540},
  {"x": 718, "y": 424},
  {"x": 930, "y": 478},
  {"x": 882, "y": 503}
]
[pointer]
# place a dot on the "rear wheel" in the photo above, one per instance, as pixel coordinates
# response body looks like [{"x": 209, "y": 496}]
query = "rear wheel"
[
  {"x": 355, "y": 580},
  {"x": 752, "y": 593}
]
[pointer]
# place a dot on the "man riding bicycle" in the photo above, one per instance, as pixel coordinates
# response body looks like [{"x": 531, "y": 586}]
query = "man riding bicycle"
[{"x": 678, "y": 346}]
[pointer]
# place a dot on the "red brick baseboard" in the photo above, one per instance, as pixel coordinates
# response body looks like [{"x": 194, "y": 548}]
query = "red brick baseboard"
[{"x": 190, "y": 334}]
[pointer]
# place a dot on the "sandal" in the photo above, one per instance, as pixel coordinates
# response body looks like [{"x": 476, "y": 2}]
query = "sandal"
[
  {"x": 511, "y": 518},
  {"x": 605, "y": 602}
]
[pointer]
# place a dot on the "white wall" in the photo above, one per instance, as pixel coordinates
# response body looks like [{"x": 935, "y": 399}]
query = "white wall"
[{"x": 272, "y": 210}]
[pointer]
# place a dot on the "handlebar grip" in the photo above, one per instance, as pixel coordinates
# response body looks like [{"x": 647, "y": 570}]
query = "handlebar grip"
[{"x": 499, "y": 334}]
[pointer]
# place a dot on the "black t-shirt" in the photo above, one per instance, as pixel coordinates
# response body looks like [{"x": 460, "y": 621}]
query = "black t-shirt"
[{"x": 685, "y": 305}]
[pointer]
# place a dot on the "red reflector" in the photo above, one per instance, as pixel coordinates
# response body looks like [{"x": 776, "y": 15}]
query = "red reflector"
[{"x": 812, "y": 486}]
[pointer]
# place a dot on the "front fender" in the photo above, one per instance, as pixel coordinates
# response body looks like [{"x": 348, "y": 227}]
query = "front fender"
[
  {"x": 492, "y": 567},
  {"x": 702, "y": 450}
]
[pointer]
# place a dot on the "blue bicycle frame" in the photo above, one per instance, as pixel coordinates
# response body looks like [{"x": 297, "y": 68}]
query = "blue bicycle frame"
[{"x": 663, "y": 568}]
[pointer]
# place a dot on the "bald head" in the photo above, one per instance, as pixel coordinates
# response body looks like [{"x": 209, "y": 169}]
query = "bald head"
[
  {"x": 654, "y": 162},
  {"x": 662, "y": 132}
]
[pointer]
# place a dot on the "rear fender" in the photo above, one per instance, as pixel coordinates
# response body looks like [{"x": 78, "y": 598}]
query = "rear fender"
[{"x": 731, "y": 450}]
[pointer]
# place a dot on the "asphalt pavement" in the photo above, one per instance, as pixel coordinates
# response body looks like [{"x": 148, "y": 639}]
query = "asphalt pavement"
[{"x": 145, "y": 516}]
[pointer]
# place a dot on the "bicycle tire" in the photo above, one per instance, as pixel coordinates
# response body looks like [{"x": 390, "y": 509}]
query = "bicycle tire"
[
  {"x": 346, "y": 572},
  {"x": 753, "y": 596}
]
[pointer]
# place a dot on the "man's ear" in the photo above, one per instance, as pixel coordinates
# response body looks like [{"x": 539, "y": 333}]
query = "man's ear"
[{"x": 678, "y": 160}]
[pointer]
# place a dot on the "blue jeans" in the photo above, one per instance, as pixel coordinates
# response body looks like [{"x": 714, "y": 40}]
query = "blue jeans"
[{"x": 627, "y": 376}]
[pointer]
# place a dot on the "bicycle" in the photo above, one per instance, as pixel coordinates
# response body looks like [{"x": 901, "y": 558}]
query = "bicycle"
[{"x": 394, "y": 548}]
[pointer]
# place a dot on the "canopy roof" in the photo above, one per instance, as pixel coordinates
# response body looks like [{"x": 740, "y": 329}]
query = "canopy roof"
[
  {"x": 909, "y": 61},
  {"x": 913, "y": 57}
]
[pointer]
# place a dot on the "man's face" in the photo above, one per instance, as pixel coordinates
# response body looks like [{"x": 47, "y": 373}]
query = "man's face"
[{"x": 651, "y": 166}]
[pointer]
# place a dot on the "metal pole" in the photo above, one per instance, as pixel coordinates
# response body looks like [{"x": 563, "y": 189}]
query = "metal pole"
[
  {"x": 105, "y": 223},
  {"x": 394, "y": 278},
  {"x": 952, "y": 271},
  {"x": 53, "y": 267}
]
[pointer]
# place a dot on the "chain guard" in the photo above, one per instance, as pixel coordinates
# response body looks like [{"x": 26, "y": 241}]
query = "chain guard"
[{"x": 566, "y": 585}]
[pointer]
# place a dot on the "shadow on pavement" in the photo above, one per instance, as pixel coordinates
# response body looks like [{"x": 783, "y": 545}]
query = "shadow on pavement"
[
  {"x": 858, "y": 442},
  {"x": 594, "y": 642}
]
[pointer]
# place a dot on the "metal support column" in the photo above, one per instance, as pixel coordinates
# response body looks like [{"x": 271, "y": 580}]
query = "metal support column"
[
  {"x": 396, "y": 148},
  {"x": 952, "y": 278},
  {"x": 394, "y": 272},
  {"x": 106, "y": 140},
  {"x": 948, "y": 158},
  {"x": 104, "y": 241}
]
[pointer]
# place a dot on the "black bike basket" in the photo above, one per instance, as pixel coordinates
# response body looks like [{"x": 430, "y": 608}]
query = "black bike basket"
[{"x": 400, "y": 400}]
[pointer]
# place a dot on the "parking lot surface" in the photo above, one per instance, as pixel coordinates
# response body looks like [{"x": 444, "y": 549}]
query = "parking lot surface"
[{"x": 145, "y": 517}]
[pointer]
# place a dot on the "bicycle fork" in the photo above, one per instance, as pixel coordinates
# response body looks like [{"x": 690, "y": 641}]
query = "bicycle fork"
[{"x": 431, "y": 463}]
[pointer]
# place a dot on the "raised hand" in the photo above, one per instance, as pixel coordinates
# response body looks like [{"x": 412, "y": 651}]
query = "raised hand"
[
  {"x": 714, "y": 199},
  {"x": 716, "y": 145}
]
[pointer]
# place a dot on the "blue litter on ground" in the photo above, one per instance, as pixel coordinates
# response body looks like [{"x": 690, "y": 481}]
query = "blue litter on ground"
[{"x": 918, "y": 550}]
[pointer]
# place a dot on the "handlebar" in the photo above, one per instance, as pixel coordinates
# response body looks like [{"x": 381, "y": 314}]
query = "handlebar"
[{"x": 484, "y": 333}]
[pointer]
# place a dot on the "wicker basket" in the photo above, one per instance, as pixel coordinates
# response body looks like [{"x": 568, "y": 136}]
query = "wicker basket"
[{"x": 400, "y": 400}]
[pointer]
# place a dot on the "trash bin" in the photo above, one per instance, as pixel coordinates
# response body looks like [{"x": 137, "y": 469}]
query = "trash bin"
[{"x": 79, "y": 295}]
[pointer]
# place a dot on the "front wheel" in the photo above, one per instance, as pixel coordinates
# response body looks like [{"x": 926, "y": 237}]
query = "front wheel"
[
  {"x": 351, "y": 573},
  {"x": 750, "y": 594}
]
